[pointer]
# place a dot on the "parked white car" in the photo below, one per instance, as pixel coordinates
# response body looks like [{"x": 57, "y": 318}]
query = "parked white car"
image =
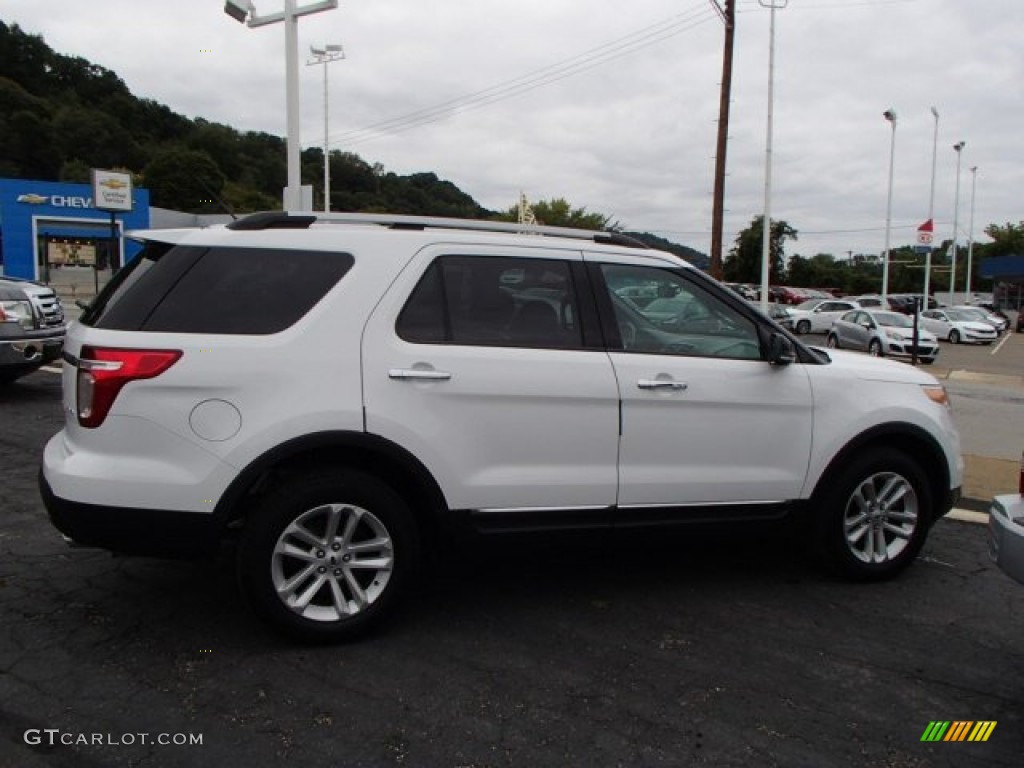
[
  {"x": 817, "y": 315},
  {"x": 337, "y": 395},
  {"x": 957, "y": 326},
  {"x": 984, "y": 316},
  {"x": 882, "y": 333}
]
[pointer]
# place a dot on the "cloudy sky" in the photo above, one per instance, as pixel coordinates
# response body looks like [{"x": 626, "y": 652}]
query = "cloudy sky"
[{"x": 613, "y": 105}]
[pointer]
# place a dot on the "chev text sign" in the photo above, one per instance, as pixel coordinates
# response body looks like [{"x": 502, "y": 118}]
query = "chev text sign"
[
  {"x": 56, "y": 201},
  {"x": 63, "y": 201}
]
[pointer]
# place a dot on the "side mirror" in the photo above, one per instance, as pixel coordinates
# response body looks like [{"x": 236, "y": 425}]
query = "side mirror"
[{"x": 780, "y": 350}]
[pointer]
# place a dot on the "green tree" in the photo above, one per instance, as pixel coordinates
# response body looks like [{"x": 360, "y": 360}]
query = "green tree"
[
  {"x": 1007, "y": 240},
  {"x": 185, "y": 180},
  {"x": 557, "y": 212},
  {"x": 743, "y": 263}
]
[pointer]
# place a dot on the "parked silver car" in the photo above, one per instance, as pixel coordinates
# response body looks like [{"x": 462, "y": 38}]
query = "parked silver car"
[
  {"x": 882, "y": 333},
  {"x": 1006, "y": 531},
  {"x": 31, "y": 328}
]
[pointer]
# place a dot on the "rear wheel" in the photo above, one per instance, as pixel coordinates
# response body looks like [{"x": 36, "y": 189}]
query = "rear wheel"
[
  {"x": 873, "y": 516},
  {"x": 326, "y": 555}
]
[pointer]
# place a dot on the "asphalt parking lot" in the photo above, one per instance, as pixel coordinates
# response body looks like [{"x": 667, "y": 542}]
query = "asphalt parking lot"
[{"x": 620, "y": 652}]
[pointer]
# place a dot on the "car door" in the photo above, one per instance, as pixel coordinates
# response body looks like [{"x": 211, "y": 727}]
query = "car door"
[
  {"x": 935, "y": 321},
  {"x": 861, "y": 331},
  {"x": 705, "y": 419},
  {"x": 845, "y": 330},
  {"x": 477, "y": 362},
  {"x": 826, "y": 313}
]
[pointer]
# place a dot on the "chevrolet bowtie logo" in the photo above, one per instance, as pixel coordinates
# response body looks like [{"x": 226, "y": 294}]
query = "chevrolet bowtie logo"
[{"x": 32, "y": 199}]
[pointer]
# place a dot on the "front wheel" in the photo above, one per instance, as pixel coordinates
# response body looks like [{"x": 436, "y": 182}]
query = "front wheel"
[
  {"x": 873, "y": 516},
  {"x": 832, "y": 341},
  {"x": 954, "y": 337},
  {"x": 803, "y": 327},
  {"x": 325, "y": 555},
  {"x": 875, "y": 348}
]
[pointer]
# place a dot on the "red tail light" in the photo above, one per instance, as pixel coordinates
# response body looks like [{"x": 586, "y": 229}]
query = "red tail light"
[{"x": 102, "y": 371}]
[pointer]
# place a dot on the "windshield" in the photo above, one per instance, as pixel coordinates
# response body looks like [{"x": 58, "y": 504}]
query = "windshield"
[
  {"x": 973, "y": 312},
  {"x": 807, "y": 306},
  {"x": 962, "y": 315},
  {"x": 893, "y": 320}
]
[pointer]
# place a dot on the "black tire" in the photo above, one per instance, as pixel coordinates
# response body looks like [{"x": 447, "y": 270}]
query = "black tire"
[
  {"x": 875, "y": 348},
  {"x": 954, "y": 336},
  {"x": 849, "y": 530},
  {"x": 803, "y": 327},
  {"x": 344, "y": 567},
  {"x": 927, "y": 360},
  {"x": 832, "y": 341}
]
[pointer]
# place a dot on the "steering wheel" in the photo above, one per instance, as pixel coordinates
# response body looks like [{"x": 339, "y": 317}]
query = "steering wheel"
[{"x": 678, "y": 348}]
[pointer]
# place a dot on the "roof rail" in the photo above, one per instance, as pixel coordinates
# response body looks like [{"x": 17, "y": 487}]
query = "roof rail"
[{"x": 287, "y": 220}]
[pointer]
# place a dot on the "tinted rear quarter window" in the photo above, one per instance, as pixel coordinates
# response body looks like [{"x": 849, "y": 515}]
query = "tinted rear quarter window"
[{"x": 250, "y": 291}]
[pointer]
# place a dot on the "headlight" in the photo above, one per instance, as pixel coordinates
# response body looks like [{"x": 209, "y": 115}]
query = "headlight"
[
  {"x": 895, "y": 336},
  {"x": 19, "y": 312}
]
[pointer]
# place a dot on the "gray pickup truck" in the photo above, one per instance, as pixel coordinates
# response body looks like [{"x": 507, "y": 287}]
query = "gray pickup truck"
[{"x": 31, "y": 327}]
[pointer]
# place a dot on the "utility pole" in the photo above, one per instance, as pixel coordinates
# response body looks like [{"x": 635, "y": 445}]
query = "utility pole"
[{"x": 728, "y": 15}]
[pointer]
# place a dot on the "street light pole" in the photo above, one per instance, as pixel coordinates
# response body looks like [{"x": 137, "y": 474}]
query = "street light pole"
[
  {"x": 245, "y": 11},
  {"x": 890, "y": 115},
  {"x": 931, "y": 212},
  {"x": 958, "y": 147},
  {"x": 970, "y": 233},
  {"x": 325, "y": 56},
  {"x": 767, "y": 231}
]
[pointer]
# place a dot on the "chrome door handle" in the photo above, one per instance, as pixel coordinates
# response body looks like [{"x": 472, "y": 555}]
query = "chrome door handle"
[
  {"x": 415, "y": 373},
  {"x": 661, "y": 384}
]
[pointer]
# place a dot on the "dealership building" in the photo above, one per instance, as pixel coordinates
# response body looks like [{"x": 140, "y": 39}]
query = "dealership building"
[{"x": 46, "y": 225}]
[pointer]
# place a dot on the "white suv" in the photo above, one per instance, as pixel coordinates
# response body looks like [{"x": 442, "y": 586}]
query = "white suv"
[{"x": 338, "y": 392}]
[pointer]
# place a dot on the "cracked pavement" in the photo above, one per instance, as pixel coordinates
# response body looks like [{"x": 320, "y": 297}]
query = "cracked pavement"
[{"x": 638, "y": 652}]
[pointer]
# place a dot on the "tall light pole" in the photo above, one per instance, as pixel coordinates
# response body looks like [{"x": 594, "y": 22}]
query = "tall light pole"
[
  {"x": 245, "y": 11},
  {"x": 970, "y": 232},
  {"x": 767, "y": 232},
  {"x": 931, "y": 212},
  {"x": 890, "y": 115},
  {"x": 325, "y": 56},
  {"x": 958, "y": 148}
]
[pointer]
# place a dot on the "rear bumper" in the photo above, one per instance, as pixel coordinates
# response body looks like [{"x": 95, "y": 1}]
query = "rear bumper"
[
  {"x": 30, "y": 350},
  {"x": 151, "y": 532}
]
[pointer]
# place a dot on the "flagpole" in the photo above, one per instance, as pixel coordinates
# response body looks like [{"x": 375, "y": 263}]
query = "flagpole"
[{"x": 931, "y": 211}]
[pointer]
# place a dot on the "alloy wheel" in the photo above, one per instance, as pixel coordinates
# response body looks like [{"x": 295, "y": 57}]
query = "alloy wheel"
[
  {"x": 881, "y": 517},
  {"x": 332, "y": 562}
]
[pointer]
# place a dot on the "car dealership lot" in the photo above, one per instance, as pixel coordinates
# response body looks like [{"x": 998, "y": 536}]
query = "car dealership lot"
[{"x": 617, "y": 652}]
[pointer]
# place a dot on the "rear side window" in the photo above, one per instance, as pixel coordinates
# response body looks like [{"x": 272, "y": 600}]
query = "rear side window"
[
  {"x": 248, "y": 291},
  {"x": 493, "y": 301}
]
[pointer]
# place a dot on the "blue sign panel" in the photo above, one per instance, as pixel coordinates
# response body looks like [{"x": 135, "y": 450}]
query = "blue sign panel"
[{"x": 31, "y": 209}]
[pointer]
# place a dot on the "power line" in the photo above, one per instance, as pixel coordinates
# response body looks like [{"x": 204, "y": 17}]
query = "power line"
[{"x": 538, "y": 78}]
